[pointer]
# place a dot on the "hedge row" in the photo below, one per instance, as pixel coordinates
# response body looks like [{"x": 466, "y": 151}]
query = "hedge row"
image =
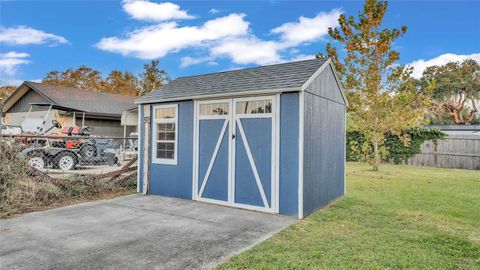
[{"x": 397, "y": 150}]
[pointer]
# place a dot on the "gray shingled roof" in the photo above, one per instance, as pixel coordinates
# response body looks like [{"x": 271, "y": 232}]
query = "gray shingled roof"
[
  {"x": 85, "y": 100},
  {"x": 287, "y": 76}
]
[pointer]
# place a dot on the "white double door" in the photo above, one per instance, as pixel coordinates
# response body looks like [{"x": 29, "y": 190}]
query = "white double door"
[{"x": 236, "y": 152}]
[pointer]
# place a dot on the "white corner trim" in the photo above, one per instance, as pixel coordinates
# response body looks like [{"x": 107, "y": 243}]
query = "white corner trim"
[
  {"x": 146, "y": 148},
  {"x": 276, "y": 153},
  {"x": 195, "y": 151},
  {"x": 139, "y": 144},
  {"x": 301, "y": 100}
]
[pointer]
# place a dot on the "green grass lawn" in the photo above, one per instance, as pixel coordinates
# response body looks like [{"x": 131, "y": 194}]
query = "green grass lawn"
[{"x": 400, "y": 217}]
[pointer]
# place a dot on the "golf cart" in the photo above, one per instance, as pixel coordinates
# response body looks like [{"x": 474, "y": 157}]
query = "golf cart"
[
  {"x": 72, "y": 147},
  {"x": 9, "y": 129}
]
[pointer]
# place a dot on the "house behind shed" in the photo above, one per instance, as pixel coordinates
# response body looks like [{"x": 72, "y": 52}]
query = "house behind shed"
[
  {"x": 69, "y": 106},
  {"x": 269, "y": 138}
]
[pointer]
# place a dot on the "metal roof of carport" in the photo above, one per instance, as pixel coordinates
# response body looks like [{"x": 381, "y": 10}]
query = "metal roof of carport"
[{"x": 275, "y": 78}]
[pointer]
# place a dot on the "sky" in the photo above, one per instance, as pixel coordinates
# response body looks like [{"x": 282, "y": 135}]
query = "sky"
[{"x": 198, "y": 37}]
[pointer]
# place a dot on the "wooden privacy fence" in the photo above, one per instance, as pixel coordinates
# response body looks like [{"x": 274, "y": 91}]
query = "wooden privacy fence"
[{"x": 455, "y": 151}]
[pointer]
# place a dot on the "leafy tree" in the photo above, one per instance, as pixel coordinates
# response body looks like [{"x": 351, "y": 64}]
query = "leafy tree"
[
  {"x": 117, "y": 82},
  {"x": 383, "y": 98},
  {"x": 455, "y": 84},
  {"x": 439, "y": 116},
  {"x": 5, "y": 91},
  {"x": 123, "y": 83},
  {"x": 83, "y": 77},
  {"x": 152, "y": 77}
]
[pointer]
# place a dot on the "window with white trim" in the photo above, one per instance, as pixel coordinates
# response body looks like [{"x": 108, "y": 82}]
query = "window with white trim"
[
  {"x": 210, "y": 109},
  {"x": 165, "y": 134},
  {"x": 254, "y": 106}
]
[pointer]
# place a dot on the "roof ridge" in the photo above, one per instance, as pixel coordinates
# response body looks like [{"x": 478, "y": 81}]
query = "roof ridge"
[
  {"x": 227, "y": 71},
  {"x": 77, "y": 88}
]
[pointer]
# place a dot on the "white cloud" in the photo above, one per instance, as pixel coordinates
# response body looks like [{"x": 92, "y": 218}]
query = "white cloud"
[
  {"x": 23, "y": 35},
  {"x": 13, "y": 54},
  {"x": 214, "y": 11},
  {"x": 158, "y": 40},
  {"x": 150, "y": 11},
  {"x": 248, "y": 50},
  {"x": 420, "y": 65},
  {"x": 10, "y": 61},
  {"x": 301, "y": 57},
  {"x": 188, "y": 61},
  {"x": 224, "y": 37},
  {"x": 308, "y": 29},
  {"x": 10, "y": 82}
]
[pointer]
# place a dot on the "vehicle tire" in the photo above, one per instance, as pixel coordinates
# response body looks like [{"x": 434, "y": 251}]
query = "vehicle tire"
[
  {"x": 37, "y": 160},
  {"x": 65, "y": 161},
  {"x": 88, "y": 151},
  {"x": 112, "y": 161}
]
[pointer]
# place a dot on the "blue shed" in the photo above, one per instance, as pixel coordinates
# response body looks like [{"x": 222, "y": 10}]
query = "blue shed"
[{"x": 269, "y": 138}]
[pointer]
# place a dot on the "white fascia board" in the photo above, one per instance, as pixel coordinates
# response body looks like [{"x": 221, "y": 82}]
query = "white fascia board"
[{"x": 223, "y": 95}]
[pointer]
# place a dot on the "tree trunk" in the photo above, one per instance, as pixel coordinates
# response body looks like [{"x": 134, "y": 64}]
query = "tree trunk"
[
  {"x": 453, "y": 112},
  {"x": 457, "y": 116},
  {"x": 472, "y": 113},
  {"x": 376, "y": 157},
  {"x": 458, "y": 109}
]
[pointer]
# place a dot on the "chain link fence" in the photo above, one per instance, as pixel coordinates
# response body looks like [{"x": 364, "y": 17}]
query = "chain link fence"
[
  {"x": 38, "y": 171},
  {"x": 75, "y": 155}
]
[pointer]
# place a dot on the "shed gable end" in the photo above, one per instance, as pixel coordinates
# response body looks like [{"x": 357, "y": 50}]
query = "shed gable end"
[{"x": 326, "y": 85}]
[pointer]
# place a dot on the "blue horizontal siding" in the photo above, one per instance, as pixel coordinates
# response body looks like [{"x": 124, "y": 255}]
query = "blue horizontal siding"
[
  {"x": 324, "y": 143},
  {"x": 176, "y": 180},
  {"x": 288, "y": 182}
]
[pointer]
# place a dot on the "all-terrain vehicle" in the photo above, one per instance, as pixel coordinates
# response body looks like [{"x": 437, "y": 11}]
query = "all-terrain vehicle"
[
  {"x": 64, "y": 150},
  {"x": 72, "y": 149}
]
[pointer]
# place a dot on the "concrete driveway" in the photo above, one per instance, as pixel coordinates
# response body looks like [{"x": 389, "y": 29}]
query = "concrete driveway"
[{"x": 132, "y": 232}]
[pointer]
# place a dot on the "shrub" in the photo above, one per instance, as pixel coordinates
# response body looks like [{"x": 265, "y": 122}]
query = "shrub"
[
  {"x": 397, "y": 151},
  {"x": 12, "y": 168},
  {"x": 24, "y": 189}
]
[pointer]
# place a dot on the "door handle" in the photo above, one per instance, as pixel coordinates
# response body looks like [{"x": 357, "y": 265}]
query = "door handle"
[{"x": 233, "y": 136}]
